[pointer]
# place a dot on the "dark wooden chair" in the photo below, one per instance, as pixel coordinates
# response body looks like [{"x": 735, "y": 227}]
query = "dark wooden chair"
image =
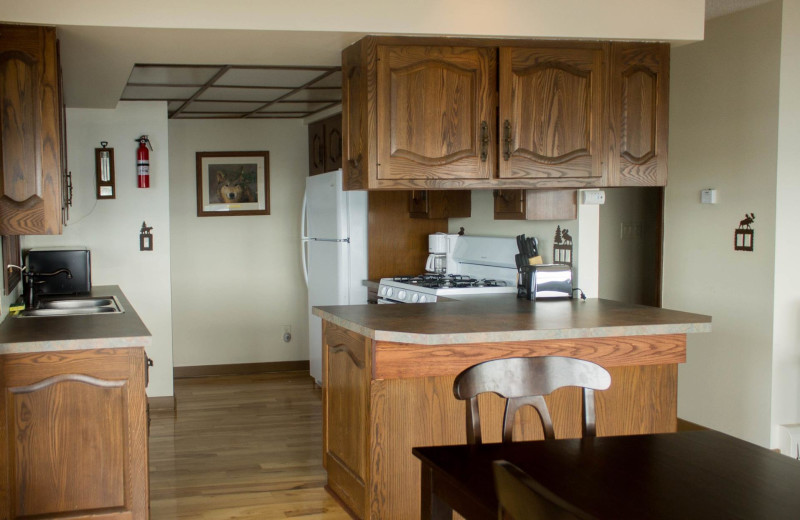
[
  {"x": 522, "y": 498},
  {"x": 525, "y": 382}
]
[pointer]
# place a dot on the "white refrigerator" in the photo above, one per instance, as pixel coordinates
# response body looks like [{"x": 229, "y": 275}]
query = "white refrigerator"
[{"x": 334, "y": 252}]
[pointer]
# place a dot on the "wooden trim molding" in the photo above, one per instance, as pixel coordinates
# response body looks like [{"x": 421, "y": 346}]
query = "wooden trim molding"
[
  {"x": 236, "y": 369},
  {"x": 164, "y": 403},
  {"x": 401, "y": 360}
]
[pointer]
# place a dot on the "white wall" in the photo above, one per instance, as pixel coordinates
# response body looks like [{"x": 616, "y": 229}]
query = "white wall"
[
  {"x": 647, "y": 19},
  {"x": 723, "y": 135},
  {"x": 786, "y": 354},
  {"x": 583, "y": 231},
  {"x": 237, "y": 280},
  {"x": 110, "y": 228}
]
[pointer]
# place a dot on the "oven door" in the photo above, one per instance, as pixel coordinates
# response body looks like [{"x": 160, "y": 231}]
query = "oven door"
[{"x": 382, "y": 301}]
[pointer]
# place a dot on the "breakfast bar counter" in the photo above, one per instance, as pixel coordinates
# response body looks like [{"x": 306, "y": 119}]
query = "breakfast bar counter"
[{"x": 388, "y": 373}]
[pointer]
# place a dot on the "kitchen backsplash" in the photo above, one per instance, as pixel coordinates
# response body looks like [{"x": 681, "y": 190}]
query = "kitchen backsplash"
[{"x": 482, "y": 222}]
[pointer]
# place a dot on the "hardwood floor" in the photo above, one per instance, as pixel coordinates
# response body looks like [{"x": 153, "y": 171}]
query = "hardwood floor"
[{"x": 241, "y": 447}]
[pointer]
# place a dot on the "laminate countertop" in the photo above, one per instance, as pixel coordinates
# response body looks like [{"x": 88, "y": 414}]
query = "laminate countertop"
[
  {"x": 94, "y": 331},
  {"x": 507, "y": 318}
]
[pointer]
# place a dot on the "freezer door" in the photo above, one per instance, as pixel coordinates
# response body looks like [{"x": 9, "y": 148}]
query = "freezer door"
[
  {"x": 328, "y": 282},
  {"x": 326, "y": 206}
]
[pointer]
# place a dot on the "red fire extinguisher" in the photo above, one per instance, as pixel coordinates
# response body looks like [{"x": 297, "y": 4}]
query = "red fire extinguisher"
[{"x": 143, "y": 162}]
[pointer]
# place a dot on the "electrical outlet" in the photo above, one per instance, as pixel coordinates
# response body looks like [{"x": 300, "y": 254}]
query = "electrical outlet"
[{"x": 287, "y": 333}]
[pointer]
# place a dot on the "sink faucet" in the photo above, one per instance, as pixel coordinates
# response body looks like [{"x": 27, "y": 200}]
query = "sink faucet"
[{"x": 30, "y": 279}]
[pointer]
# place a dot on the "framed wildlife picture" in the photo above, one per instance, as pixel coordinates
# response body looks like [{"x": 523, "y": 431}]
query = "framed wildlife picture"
[{"x": 232, "y": 183}]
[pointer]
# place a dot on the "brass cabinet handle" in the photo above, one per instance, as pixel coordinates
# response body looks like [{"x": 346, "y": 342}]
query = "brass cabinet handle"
[
  {"x": 484, "y": 140},
  {"x": 507, "y": 140}
]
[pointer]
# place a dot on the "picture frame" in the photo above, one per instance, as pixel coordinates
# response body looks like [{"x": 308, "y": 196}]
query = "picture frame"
[{"x": 232, "y": 183}]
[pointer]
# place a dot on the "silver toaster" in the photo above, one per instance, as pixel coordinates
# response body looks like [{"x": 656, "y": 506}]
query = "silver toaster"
[{"x": 549, "y": 281}]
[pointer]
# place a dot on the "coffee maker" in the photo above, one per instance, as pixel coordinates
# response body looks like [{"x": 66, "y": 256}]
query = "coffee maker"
[{"x": 439, "y": 245}]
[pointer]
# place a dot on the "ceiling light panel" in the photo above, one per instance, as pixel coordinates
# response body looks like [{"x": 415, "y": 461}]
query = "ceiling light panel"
[
  {"x": 133, "y": 92},
  {"x": 326, "y": 94},
  {"x": 294, "y": 107},
  {"x": 172, "y": 75},
  {"x": 264, "y": 95},
  {"x": 190, "y": 115},
  {"x": 217, "y": 106},
  {"x": 268, "y": 77},
  {"x": 334, "y": 80}
]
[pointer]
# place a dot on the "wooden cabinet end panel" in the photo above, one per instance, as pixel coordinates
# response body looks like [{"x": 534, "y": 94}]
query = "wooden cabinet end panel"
[
  {"x": 639, "y": 114},
  {"x": 357, "y": 114},
  {"x": 347, "y": 386}
]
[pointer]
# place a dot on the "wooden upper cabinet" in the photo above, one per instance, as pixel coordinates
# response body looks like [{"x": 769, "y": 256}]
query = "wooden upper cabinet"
[
  {"x": 639, "y": 119},
  {"x": 551, "y": 112},
  {"x": 440, "y": 204},
  {"x": 333, "y": 143},
  {"x": 30, "y": 145},
  {"x": 435, "y": 110},
  {"x": 457, "y": 113},
  {"x": 325, "y": 145},
  {"x": 316, "y": 148}
]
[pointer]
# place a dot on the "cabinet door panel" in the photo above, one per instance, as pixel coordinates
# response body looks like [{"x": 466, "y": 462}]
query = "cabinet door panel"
[
  {"x": 347, "y": 390},
  {"x": 432, "y": 102},
  {"x": 18, "y": 122},
  {"x": 639, "y": 114},
  {"x": 316, "y": 148},
  {"x": 30, "y": 191},
  {"x": 551, "y": 109},
  {"x": 333, "y": 143},
  {"x": 72, "y": 460}
]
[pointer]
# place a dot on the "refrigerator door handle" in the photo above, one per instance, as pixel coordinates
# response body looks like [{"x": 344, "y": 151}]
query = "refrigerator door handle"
[
  {"x": 303, "y": 238},
  {"x": 330, "y": 239}
]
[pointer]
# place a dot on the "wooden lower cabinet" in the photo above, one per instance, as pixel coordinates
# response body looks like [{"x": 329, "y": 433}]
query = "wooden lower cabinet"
[
  {"x": 375, "y": 411},
  {"x": 73, "y": 435}
]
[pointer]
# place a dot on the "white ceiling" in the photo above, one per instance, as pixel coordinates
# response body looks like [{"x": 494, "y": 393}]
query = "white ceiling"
[
  {"x": 98, "y": 60},
  {"x": 717, "y": 8}
]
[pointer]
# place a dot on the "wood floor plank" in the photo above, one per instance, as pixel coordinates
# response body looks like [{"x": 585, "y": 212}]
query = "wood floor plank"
[{"x": 241, "y": 447}]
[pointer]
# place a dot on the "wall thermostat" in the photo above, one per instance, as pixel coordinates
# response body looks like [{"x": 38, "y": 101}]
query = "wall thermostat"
[{"x": 708, "y": 196}]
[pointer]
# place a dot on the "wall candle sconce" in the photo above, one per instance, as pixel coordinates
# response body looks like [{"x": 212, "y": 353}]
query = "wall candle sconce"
[
  {"x": 744, "y": 235},
  {"x": 145, "y": 238},
  {"x": 562, "y": 247},
  {"x": 104, "y": 171}
]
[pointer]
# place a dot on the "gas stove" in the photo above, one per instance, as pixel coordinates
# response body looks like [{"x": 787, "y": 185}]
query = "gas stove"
[{"x": 478, "y": 265}]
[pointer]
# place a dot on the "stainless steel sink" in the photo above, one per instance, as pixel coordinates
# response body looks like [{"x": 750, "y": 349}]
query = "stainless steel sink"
[{"x": 73, "y": 306}]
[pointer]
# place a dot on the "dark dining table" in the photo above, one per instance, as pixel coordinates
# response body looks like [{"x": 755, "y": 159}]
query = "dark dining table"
[{"x": 693, "y": 474}]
